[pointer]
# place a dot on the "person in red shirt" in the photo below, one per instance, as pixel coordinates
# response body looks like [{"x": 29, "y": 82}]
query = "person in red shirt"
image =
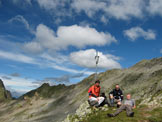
[{"x": 94, "y": 94}]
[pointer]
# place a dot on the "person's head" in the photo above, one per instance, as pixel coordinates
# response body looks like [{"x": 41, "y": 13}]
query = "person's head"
[
  {"x": 117, "y": 87},
  {"x": 97, "y": 82},
  {"x": 128, "y": 96}
]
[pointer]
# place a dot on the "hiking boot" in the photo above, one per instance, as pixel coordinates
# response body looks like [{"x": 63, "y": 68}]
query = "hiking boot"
[
  {"x": 110, "y": 115},
  {"x": 131, "y": 114}
]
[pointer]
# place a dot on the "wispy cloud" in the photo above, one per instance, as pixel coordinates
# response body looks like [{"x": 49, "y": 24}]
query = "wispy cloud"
[
  {"x": 17, "y": 57},
  {"x": 45, "y": 62},
  {"x": 119, "y": 9},
  {"x": 21, "y": 19},
  {"x": 137, "y": 32}
]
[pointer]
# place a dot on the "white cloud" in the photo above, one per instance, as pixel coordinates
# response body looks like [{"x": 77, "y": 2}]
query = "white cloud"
[
  {"x": 56, "y": 7},
  {"x": 21, "y": 19},
  {"x": 86, "y": 58},
  {"x": 66, "y": 36},
  {"x": 125, "y": 9},
  {"x": 89, "y": 6},
  {"x": 82, "y": 36},
  {"x": 137, "y": 32},
  {"x": 49, "y": 4},
  {"x": 17, "y": 57},
  {"x": 155, "y": 7},
  {"x": 32, "y": 47},
  {"x": 119, "y": 9}
]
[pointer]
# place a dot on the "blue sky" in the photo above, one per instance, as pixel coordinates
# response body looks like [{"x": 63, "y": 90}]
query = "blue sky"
[{"x": 55, "y": 41}]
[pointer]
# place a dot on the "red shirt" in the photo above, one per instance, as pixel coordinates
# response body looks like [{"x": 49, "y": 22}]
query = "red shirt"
[{"x": 95, "y": 90}]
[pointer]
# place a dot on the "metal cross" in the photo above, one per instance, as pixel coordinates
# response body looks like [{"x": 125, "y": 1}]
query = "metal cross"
[{"x": 97, "y": 61}]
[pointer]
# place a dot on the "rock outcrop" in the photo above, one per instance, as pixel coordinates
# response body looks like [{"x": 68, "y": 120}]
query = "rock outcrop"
[{"x": 4, "y": 94}]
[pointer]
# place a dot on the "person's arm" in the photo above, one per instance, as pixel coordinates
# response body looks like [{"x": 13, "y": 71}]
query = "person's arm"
[
  {"x": 122, "y": 97},
  {"x": 111, "y": 94},
  {"x": 93, "y": 92},
  {"x": 134, "y": 105}
]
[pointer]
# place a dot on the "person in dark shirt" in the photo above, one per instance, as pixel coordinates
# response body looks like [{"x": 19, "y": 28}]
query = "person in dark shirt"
[{"x": 116, "y": 96}]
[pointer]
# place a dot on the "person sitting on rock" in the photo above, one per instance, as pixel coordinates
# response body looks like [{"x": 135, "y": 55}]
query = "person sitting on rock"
[
  {"x": 116, "y": 96},
  {"x": 94, "y": 95},
  {"x": 127, "y": 105}
]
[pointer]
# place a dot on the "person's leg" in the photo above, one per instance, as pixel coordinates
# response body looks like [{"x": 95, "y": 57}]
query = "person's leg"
[
  {"x": 119, "y": 103},
  {"x": 112, "y": 102},
  {"x": 93, "y": 101},
  {"x": 119, "y": 110},
  {"x": 106, "y": 102},
  {"x": 101, "y": 99},
  {"x": 129, "y": 111}
]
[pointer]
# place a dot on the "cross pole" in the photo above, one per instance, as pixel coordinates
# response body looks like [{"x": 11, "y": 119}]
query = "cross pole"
[{"x": 97, "y": 61}]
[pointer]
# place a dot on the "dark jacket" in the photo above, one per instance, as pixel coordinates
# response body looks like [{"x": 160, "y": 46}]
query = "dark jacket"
[{"x": 118, "y": 94}]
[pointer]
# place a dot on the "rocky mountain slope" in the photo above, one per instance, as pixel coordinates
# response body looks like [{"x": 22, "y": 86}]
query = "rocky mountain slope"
[
  {"x": 54, "y": 103},
  {"x": 4, "y": 94}
]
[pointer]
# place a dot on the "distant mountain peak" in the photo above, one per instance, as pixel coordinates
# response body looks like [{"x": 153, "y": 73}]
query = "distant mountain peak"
[{"x": 4, "y": 94}]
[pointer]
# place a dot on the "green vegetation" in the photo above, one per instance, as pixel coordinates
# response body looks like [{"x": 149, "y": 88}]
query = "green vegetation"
[
  {"x": 142, "y": 114},
  {"x": 47, "y": 91},
  {"x": 156, "y": 115},
  {"x": 131, "y": 79}
]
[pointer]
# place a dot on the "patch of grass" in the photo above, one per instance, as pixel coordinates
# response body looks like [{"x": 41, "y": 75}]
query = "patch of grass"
[
  {"x": 156, "y": 115},
  {"x": 141, "y": 114},
  {"x": 130, "y": 79}
]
